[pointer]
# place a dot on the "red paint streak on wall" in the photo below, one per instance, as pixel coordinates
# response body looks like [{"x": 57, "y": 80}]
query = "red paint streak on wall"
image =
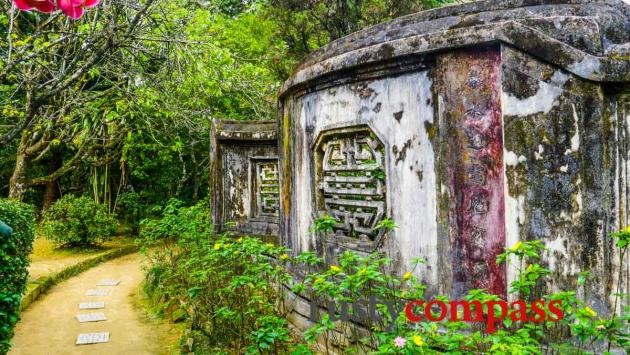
[{"x": 470, "y": 83}]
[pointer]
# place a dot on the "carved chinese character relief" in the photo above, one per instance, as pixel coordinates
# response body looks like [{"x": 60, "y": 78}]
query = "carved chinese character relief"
[
  {"x": 351, "y": 182},
  {"x": 471, "y": 92},
  {"x": 266, "y": 187}
]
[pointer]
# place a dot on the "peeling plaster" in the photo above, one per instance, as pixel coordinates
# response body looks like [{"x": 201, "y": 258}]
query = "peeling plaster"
[
  {"x": 575, "y": 140},
  {"x": 542, "y": 101},
  {"x": 511, "y": 159},
  {"x": 589, "y": 66}
]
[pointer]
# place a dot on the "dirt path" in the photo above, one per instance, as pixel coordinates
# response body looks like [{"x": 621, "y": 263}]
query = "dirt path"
[{"x": 49, "y": 325}]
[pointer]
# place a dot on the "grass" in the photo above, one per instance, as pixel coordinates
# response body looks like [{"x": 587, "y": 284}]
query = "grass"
[
  {"x": 47, "y": 258},
  {"x": 43, "y": 249}
]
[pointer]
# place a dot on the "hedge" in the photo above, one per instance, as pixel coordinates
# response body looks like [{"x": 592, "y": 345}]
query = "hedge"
[{"x": 14, "y": 260}]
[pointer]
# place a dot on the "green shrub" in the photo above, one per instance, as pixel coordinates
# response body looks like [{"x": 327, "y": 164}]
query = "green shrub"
[
  {"x": 225, "y": 284},
  {"x": 78, "y": 221},
  {"x": 177, "y": 221},
  {"x": 14, "y": 260},
  {"x": 131, "y": 209},
  {"x": 229, "y": 284}
]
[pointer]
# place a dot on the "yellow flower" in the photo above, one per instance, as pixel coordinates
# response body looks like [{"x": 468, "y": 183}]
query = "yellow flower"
[
  {"x": 517, "y": 245},
  {"x": 417, "y": 340},
  {"x": 590, "y": 311},
  {"x": 284, "y": 256},
  {"x": 217, "y": 246},
  {"x": 335, "y": 268},
  {"x": 407, "y": 276}
]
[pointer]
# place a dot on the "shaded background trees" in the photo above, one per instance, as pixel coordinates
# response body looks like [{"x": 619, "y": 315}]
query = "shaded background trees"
[{"x": 121, "y": 100}]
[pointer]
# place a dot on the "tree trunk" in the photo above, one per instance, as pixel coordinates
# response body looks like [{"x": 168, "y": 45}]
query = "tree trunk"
[
  {"x": 51, "y": 194},
  {"x": 17, "y": 183}
]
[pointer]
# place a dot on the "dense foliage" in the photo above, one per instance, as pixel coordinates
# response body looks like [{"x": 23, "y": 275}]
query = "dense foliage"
[
  {"x": 120, "y": 100},
  {"x": 225, "y": 288},
  {"x": 78, "y": 221},
  {"x": 14, "y": 260}
]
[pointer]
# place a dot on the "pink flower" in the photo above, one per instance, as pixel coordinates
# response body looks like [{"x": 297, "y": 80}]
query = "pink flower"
[
  {"x": 38, "y": 5},
  {"x": 74, "y": 8},
  {"x": 400, "y": 342}
]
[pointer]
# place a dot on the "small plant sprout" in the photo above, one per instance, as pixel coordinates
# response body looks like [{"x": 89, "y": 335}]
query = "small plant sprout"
[
  {"x": 387, "y": 224},
  {"x": 324, "y": 224}
]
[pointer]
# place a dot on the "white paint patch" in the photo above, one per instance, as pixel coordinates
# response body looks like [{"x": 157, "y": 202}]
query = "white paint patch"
[
  {"x": 303, "y": 194},
  {"x": 575, "y": 140},
  {"x": 564, "y": 268},
  {"x": 541, "y": 102},
  {"x": 512, "y": 160},
  {"x": 578, "y": 199},
  {"x": 588, "y": 67},
  {"x": 539, "y": 154},
  {"x": 514, "y": 218}
]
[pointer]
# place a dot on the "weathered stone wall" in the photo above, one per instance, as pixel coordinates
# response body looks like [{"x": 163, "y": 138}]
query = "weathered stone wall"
[
  {"x": 472, "y": 127},
  {"x": 244, "y": 176},
  {"x": 559, "y": 170}
]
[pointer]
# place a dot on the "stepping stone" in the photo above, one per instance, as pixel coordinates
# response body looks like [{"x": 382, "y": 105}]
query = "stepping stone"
[
  {"x": 91, "y": 305},
  {"x": 108, "y": 282},
  {"x": 97, "y": 292},
  {"x": 90, "y": 317},
  {"x": 92, "y": 338}
]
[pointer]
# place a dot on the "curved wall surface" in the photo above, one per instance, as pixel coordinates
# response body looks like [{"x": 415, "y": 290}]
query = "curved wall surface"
[{"x": 473, "y": 127}]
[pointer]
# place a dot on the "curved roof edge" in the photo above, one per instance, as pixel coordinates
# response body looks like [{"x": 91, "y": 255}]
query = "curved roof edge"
[{"x": 590, "y": 39}]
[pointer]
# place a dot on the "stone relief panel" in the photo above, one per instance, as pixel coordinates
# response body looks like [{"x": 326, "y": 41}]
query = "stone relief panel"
[
  {"x": 351, "y": 182},
  {"x": 266, "y": 188}
]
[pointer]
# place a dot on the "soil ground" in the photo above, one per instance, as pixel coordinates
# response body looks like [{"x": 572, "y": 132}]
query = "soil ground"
[{"x": 49, "y": 325}]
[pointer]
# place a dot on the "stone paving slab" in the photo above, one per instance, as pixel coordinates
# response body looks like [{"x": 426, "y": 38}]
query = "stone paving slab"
[
  {"x": 108, "y": 282},
  {"x": 91, "y": 317},
  {"x": 92, "y": 338},
  {"x": 97, "y": 292},
  {"x": 91, "y": 305}
]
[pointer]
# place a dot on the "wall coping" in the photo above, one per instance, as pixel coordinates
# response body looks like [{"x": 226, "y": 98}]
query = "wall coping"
[
  {"x": 244, "y": 130},
  {"x": 602, "y": 53}
]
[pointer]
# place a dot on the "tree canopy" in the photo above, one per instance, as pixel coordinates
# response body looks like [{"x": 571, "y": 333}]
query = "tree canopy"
[{"x": 120, "y": 97}]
